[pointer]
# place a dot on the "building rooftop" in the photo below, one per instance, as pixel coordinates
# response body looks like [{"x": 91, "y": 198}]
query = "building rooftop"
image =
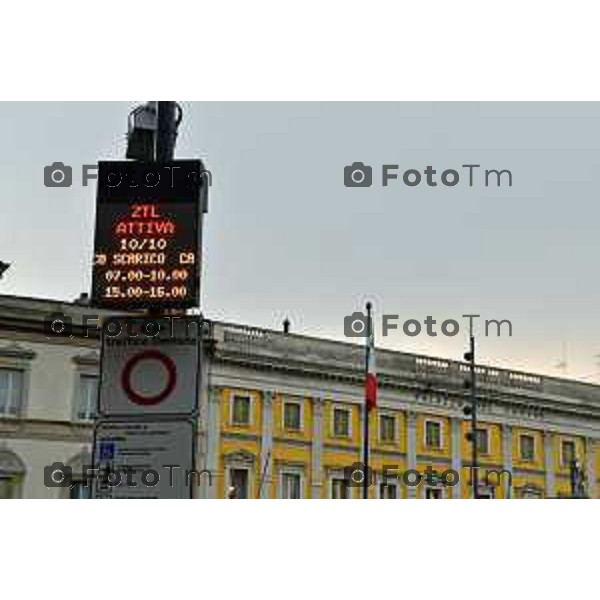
[{"x": 268, "y": 349}]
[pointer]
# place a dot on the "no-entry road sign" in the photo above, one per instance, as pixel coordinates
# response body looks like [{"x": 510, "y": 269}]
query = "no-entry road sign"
[{"x": 150, "y": 366}]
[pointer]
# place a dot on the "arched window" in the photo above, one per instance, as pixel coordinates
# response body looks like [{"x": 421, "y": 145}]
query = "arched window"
[{"x": 12, "y": 473}]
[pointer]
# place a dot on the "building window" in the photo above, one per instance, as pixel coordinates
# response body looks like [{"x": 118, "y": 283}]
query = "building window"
[
  {"x": 340, "y": 489},
  {"x": 11, "y": 391},
  {"x": 433, "y": 493},
  {"x": 238, "y": 482},
  {"x": 291, "y": 486},
  {"x": 388, "y": 491},
  {"x": 292, "y": 416},
  {"x": 483, "y": 441},
  {"x": 88, "y": 397},
  {"x": 433, "y": 434},
  {"x": 341, "y": 422},
  {"x": 567, "y": 452},
  {"x": 240, "y": 413},
  {"x": 387, "y": 429},
  {"x": 527, "y": 447}
]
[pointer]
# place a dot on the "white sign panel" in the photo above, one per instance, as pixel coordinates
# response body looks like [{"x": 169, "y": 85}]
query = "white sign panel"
[
  {"x": 143, "y": 459},
  {"x": 149, "y": 366}
]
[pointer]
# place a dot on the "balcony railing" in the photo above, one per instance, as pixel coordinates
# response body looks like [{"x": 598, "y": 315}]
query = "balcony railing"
[{"x": 259, "y": 342}]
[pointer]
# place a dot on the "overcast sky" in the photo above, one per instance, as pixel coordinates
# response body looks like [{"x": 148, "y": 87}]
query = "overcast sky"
[{"x": 284, "y": 236}]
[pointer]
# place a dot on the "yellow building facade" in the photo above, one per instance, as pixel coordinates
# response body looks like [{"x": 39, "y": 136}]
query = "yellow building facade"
[
  {"x": 291, "y": 457},
  {"x": 293, "y": 429}
]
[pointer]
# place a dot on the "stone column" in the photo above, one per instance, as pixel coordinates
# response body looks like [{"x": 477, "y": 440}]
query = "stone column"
[
  {"x": 212, "y": 435},
  {"x": 549, "y": 464},
  {"x": 317, "y": 448},
  {"x": 590, "y": 467},
  {"x": 411, "y": 447},
  {"x": 456, "y": 437},
  {"x": 266, "y": 446},
  {"x": 507, "y": 459}
]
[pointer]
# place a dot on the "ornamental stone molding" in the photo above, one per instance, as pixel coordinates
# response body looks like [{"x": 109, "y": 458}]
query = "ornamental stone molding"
[
  {"x": 16, "y": 351},
  {"x": 88, "y": 359},
  {"x": 239, "y": 457}
]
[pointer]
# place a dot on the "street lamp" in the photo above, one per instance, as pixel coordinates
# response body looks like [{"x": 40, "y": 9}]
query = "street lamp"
[
  {"x": 471, "y": 411},
  {"x": 3, "y": 268}
]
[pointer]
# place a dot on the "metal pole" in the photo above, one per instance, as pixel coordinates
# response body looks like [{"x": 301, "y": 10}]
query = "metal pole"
[
  {"x": 475, "y": 466},
  {"x": 366, "y": 410},
  {"x": 165, "y": 131},
  {"x": 165, "y": 142}
]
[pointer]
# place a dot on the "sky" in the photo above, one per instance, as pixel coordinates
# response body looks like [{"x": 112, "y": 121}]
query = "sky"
[{"x": 285, "y": 237}]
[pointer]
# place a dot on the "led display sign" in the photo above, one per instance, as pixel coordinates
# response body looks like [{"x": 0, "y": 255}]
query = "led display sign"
[{"x": 148, "y": 225}]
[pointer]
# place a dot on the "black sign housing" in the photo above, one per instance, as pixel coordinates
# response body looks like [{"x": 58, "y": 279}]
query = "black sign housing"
[{"x": 148, "y": 235}]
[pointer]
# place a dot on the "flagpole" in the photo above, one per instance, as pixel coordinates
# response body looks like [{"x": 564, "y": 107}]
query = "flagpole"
[{"x": 366, "y": 409}]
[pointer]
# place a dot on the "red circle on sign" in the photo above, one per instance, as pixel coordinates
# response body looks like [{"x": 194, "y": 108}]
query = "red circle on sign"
[{"x": 149, "y": 355}]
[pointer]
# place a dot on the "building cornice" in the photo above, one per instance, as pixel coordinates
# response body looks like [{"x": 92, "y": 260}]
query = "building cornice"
[{"x": 42, "y": 429}]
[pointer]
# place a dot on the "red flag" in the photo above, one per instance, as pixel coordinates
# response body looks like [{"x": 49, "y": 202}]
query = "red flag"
[{"x": 371, "y": 381}]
